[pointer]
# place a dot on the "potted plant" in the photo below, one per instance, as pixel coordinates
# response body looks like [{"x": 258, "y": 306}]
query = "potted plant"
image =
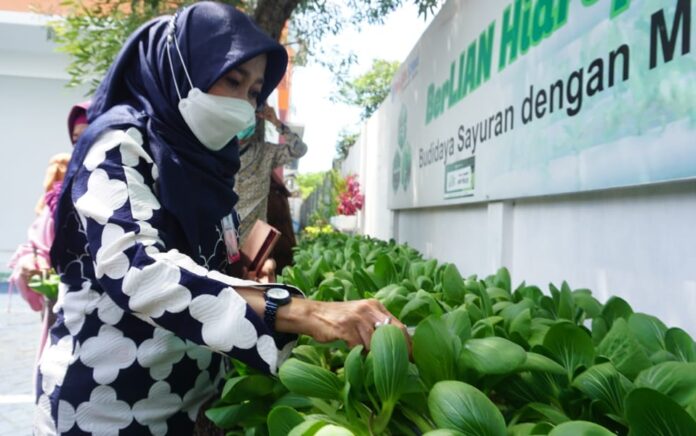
[{"x": 350, "y": 201}]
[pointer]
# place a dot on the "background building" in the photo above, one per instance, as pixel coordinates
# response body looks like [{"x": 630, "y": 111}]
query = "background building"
[{"x": 34, "y": 105}]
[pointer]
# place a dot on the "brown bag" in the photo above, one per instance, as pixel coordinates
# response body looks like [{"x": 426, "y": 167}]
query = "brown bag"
[{"x": 258, "y": 245}]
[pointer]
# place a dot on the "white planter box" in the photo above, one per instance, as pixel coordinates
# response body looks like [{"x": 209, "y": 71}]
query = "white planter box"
[{"x": 345, "y": 223}]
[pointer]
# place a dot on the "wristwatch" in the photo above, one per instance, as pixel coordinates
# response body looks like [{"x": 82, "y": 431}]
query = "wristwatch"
[{"x": 275, "y": 298}]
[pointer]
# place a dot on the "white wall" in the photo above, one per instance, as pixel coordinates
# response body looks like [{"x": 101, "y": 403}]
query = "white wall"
[
  {"x": 34, "y": 105},
  {"x": 637, "y": 243},
  {"x": 370, "y": 162}
]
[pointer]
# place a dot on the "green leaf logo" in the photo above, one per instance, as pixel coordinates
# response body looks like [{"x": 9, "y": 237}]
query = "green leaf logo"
[
  {"x": 396, "y": 170},
  {"x": 403, "y": 123}
]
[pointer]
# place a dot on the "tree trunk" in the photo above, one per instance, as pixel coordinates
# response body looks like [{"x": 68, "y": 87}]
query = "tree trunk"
[{"x": 271, "y": 15}]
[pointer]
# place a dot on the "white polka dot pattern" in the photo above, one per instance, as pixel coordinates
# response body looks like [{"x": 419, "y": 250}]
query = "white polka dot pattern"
[{"x": 142, "y": 324}]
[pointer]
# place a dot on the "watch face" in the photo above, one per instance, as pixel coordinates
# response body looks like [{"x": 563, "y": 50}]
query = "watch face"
[{"x": 278, "y": 293}]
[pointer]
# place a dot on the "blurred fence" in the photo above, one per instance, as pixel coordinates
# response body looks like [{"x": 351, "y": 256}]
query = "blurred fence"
[{"x": 319, "y": 203}]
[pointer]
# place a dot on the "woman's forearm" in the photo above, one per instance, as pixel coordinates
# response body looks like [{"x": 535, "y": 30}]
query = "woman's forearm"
[{"x": 294, "y": 317}]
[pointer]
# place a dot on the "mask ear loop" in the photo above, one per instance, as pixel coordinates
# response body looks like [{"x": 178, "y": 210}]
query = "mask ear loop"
[{"x": 171, "y": 38}]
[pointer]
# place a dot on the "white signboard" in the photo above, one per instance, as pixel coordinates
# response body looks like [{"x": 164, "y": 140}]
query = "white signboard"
[{"x": 511, "y": 98}]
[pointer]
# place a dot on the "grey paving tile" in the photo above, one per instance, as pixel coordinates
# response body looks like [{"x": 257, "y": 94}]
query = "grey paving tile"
[{"x": 20, "y": 329}]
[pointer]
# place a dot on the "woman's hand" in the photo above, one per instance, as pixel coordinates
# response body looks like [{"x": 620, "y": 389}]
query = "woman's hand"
[
  {"x": 269, "y": 114},
  {"x": 351, "y": 321},
  {"x": 266, "y": 275},
  {"x": 31, "y": 265}
]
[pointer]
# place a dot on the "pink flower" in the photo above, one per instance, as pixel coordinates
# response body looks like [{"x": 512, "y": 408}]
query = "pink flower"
[{"x": 350, "y": 199}]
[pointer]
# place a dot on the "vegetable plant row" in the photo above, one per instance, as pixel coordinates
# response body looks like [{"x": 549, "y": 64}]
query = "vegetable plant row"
[{"x": 487, "y": 358}]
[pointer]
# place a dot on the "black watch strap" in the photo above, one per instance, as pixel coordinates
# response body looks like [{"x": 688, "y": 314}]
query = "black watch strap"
[
  {"x": 275, "y": 298},
  {"x": 269, "y": 314}
]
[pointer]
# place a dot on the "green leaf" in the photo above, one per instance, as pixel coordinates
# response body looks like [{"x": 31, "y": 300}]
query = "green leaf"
[
  {"x": 662, "y": 356},
  {"x": 680, "y": 344},
  {"x": 316, "y": 272},
  {"x": 452, "y": 285},
  {"x": 569, "y": 345},
  {"x": 47, "y": 286},
  {"x": 294, "y": 401},
  {"x": 424, "y": 283},
  {"x": 419, "y": 307},
  {"x": 650, "y": 413},
  {"x": 281, "y": 420},
  {"x": 309, "y": 427},
  {"x": 498, "y": 294},
  {"x": 240, "y": 389},
  {"x": 492, "y": 355},
  {"x": 522, "y": 324},
  {"x": 614, "y": 309},
  {"x": 525, "y": 387},
  {"x": 333, "y": 430},
  {"x": 434, "y": 350},
  {"x": 390, "y": 362},
  {"x": 384, "y": 271},
  {"x": 531, "y": 293},
  {"x": 677, "y": 380},
  {"x": 309, "y": 354},
  {"x": 231, "y": 415},
  {"x": 485, "y": 327},
  {"x": 649, "y": 331},
  {"x": 443, "y": 432},
  {"x": 310, "y": 380},
  {"x": 624, "y": 351},
  {"x": 300, "y": 280},
  {"x": 606, "y": 384},
  {"x": 524, "y": 429},
  {"x": 539, "y": 328},
  {"x": 545, "y": 412},
  {"x": 588, "y": 303},
  {"x": 580, "y": 428},
  {"x": 386, "y": 291},
  {"x": 599, "y": 330},
  {"x": 363, "y": 281},
  {"x": 565, "y": 308},
  {"x": 542, "y": 428},
  {"x": 459, "y": 406},
  {"x": 539, "y": 363},
  {"x": 354, "y": 368},
  {"x": 502, "y": 280},
  {"x": 458, "y": 323}
]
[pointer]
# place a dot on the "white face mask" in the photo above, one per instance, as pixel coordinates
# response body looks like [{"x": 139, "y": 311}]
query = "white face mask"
[{"x": 215, "y": 120}]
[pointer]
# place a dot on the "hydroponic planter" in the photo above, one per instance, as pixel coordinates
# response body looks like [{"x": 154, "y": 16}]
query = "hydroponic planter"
[{"x": 345, "y": 223}]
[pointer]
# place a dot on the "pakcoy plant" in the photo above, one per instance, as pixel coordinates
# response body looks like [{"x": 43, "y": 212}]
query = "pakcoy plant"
[{"x": 487, "y": 358}]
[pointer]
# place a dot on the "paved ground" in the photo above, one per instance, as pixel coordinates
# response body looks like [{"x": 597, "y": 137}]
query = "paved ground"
[{"x": 19, "y": 337}]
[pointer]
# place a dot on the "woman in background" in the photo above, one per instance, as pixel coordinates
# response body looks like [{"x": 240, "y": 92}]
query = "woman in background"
[{"x": 32, "y": 257}]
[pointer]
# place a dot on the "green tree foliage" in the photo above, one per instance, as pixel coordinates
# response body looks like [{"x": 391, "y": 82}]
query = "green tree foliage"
[
  {"x": 93, "y": 33},
  {"x": 308, "y": 182},
  {"x": 369, "y": 90},
  {"x": 345, "y": 141}
]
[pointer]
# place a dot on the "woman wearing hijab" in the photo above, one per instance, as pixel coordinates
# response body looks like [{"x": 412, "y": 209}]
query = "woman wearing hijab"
[
  {"x": 146, "y": 320},
  {"x": 77, "y": 120}
]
